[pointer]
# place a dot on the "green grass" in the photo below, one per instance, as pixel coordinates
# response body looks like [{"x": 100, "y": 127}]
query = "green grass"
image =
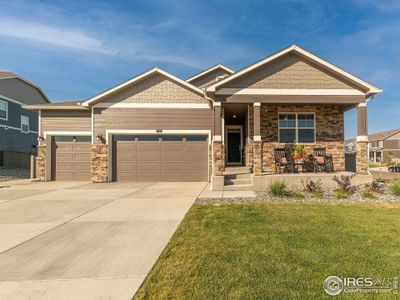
[
  {"x": 275, "y": 251},
  {"x": 373, "y": 165}
]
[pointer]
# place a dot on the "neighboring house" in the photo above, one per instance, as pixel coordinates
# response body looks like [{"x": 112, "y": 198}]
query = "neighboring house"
[
  {"x": 383, "y": 143},
  {"x": 157, "y": 127},
  {"x": 18, "y": 126},
  {"x": 350, "y": 146}
]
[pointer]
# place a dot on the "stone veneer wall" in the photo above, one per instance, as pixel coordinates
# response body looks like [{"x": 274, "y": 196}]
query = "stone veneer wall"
[
  {"x": 329, "y": 132},
  {"x": 219, "y": 159},
  {"x": 41, "y": 163},
  {"x": 362, "y": 157},
  {"x": 99, "y": 158},
  {"x": 249, "y": 154}
]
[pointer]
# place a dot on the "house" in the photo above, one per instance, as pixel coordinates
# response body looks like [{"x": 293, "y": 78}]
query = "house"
[
  {"x": 383, "y": 143},
  {"x": 157, "y": 127},
  {"x": 350, "y": 145},
  {"x": 18, "y": 126}
]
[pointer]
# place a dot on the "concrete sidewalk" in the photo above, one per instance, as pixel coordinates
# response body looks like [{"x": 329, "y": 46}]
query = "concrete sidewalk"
[{"x": 85, "y": 241}]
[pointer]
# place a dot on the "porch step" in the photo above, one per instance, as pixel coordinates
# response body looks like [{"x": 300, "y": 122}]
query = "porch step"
[
  {"x": 238, "y": 176},
  {"x": 238, "y": 187},
  {"x": 240, "y": 181}
]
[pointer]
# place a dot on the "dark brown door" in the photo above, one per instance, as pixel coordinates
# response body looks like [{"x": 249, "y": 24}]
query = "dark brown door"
[
  {"x": 160, "y": 158},
  {"x": 234, "y": 144},
  {"x": 71, "y": 158}
]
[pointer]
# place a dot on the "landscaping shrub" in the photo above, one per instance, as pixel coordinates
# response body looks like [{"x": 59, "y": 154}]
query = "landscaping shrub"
[
  {"x": 367, "y": 194},
  {"x": 313, "y": 187},
  {"x": 375, "y": 187},
  {"x": 341, "y": 195},
  {"x": 344, "y": 184},
  {"x": 297, "y": 195},
  {"x": 278, "y": 189},
  {"x": 394, "y": 187}
]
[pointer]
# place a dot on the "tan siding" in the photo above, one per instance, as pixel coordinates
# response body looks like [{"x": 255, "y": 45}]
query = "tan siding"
[
  {"x": 116, "y": 118},
  {"x": 156, "y": 89},
  {"x": 391, "y": 144},
  {"x": 17, "y": 89},
  {"x": 66, "y": 121},
  {"x": 289, "y": 72},
  {"x": 209, "y": 78}
]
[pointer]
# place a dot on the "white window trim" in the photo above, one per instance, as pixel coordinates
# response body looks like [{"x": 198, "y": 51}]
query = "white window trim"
[
  {"x": 22, "y": 117},
  {"x": 6, "y": 118},
  {"x": 296, "y": 128}
]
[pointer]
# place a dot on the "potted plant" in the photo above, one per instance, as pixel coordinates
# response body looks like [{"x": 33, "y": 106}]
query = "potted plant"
[{"x": 299, "y": 153}]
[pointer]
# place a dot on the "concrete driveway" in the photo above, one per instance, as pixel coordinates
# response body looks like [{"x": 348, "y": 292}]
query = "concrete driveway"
[{"x": 85, "y": 241}]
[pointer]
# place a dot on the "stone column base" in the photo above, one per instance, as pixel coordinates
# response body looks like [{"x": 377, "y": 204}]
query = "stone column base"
[
  {"x": 41, "y": 163},
  {"x": 219, "y": 159},
  {"x": 362, "y": 157},
  {"x": 257, "y": 158},
  {"x": 99, "y": 168}
]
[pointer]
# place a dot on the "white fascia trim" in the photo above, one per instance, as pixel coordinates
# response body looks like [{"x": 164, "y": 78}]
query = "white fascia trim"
[
  {"x": 362, "y": 138},
  {"x": 294, "y": 48},
  {"x": 18, "y": 129},
  {"x": 140, "y": 77},
  {"x": 209, "y": 70},
  {"x": 73, "y": 133},
  {"x": 151, "y": 105},
  {"x": 49, "y": 107},
  {"x": 362, "y": 104},
  {"x": 156, "y": 131},
  {"x": 294, "y": 92}
]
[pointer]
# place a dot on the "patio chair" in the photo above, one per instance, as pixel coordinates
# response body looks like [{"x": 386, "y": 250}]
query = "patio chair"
[
  {"x": 322, "y": 161},
  {"x": 283, "y": 160}
]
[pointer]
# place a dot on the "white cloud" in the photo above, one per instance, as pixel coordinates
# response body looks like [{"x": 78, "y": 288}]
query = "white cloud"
[
  {"x": 381, "y": 5},
  {"x": 54, "y": 35}
]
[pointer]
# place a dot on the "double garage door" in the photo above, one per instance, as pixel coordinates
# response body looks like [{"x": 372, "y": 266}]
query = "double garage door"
[
  {"x": 135, "y": 158},
  {"x": 160, "y": 158}
]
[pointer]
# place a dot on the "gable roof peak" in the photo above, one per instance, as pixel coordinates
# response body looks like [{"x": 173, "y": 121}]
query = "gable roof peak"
[
  {"x": 371, "y": 90},
  {"x": 138, "y": 78},
  {"x": 209, "y": 70}
]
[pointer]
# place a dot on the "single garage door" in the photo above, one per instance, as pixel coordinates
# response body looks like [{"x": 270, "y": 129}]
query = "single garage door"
[
  {"x": 160, "y": 158},
  {"x": 71, "y": 158}
]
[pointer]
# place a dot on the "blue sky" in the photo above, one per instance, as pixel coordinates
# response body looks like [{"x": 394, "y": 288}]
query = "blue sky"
[{"x": 75, "y": 49}]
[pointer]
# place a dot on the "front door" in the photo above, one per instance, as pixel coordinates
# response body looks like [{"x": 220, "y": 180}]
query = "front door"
[{"x": 234, "y": 145}]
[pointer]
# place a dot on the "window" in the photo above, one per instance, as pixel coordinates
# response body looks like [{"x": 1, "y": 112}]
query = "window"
[
  {"x": 3, "y": 110},
  {"x": 25, "y": 124},
  {"x": 296, "y": 128}
]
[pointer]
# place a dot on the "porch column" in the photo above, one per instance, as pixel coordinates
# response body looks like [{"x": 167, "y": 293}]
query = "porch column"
[
  {"x": 218, "y": 147},
  {"x": 362, "y": 139},
  {"x": 257, "y": 143}
]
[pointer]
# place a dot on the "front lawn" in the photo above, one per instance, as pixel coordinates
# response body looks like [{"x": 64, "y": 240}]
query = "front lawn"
[{"x": 275, "y": 251}]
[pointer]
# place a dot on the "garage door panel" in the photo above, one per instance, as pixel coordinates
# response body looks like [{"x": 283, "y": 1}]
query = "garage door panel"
[
  {"x": 148, "y": 151},
  {"x": 172, "y": 167},
  {"x": 171, "y": 158},
  {"x": 172, "y": 176},
  {"x": 72, "y": 161},
  {"x": 148, "y": 167}
]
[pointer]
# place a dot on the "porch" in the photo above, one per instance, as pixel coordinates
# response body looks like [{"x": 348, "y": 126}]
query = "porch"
[{"x": 246, "y": 136}]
